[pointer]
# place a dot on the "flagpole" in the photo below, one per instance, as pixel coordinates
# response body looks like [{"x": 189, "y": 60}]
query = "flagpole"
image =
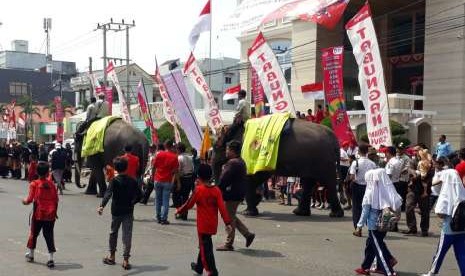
[{"x": 210, "y": 48}]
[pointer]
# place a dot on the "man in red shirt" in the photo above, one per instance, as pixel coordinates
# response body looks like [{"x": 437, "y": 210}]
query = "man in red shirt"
[
  {"x": 209, "y": 201},
  {"x": 133, "y": 169},
  {"x": 310, "y": 117},
  {"x": 460, "y": 168},
  {"x": 43, "y": 194},
  {"x": 319, "y": 114},
  {"x": 165, "y": 165}
]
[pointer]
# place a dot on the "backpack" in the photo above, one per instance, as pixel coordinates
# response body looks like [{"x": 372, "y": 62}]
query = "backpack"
[
  {"x": 387, "y": 220},
  {"x": 457, "y": 223},
  {"x": 45, "y": 200}
]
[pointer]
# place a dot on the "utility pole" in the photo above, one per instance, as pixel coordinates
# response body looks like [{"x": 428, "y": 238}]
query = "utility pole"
[
  {"x": 116, "y": 27},
  {"x": 48, "y": 56}
]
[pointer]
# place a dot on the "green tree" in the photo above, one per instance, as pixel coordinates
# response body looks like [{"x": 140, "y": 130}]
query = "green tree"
[
  {"x": 51, "y": 109},
  {"x": 397, "y": 132},
  {"x": 30, "y": 109},
  {"x": 166, "y": 131}
]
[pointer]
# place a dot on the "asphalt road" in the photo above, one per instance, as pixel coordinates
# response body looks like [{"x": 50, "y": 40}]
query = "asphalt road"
[{"x": 285, "y": 244}]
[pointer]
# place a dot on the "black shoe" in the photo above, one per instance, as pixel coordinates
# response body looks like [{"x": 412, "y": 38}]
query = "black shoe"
[
  {"x": 409, "y": 232},
  {"x": 194, "y": 268},
  {"x": 424, "y": 233},
  {"x": 164, "y": 222},
  {"x": 50, "y": 264},
  {"x": 249, "y": 240}
]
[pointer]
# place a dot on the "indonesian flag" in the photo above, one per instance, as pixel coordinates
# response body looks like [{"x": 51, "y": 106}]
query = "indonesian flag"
[
  {"x": 313, "y": 91},
  {"x": 21, "y": 120},
  {"x": 328, "y": 16},
  {"x": 232, "y": 93},
  {"x": 202, "y": 25}
]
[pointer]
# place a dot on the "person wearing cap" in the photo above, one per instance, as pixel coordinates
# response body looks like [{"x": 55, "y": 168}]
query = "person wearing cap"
[{"x": 57, "y": 159}]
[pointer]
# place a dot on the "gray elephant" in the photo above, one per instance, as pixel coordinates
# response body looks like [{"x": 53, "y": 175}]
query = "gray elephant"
[
  {"x": 306, "y": 150},
  {"x": 117, "y": 135}
]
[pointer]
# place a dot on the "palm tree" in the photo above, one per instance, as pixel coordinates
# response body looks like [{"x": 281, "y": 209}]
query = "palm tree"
[
  {"x": 30, "y": 109},
  {"x": 51, "y": 108}
]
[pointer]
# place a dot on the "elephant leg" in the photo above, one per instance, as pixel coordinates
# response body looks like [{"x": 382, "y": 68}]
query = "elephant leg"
[
  {"x": 92, "y": 187},
  {"x": 332, "y": 196},
  {"x": 303, "y": 208},
  {"x": 100, "y": 179},
  {"x": 251, "y": 200}
]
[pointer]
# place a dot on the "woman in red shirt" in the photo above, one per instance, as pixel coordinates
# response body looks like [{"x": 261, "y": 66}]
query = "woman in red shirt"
[{"x": 209, "y": 201}]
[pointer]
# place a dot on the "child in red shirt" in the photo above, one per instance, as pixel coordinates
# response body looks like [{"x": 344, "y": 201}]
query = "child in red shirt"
[
  {"x": 209, "y": 201},
  {"x": 43, "y": 194}
]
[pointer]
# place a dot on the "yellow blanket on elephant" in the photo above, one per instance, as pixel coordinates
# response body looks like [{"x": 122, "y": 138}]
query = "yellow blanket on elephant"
[
  {"x": 261, "y": 142},
  {"x": 93, "y": 140}
]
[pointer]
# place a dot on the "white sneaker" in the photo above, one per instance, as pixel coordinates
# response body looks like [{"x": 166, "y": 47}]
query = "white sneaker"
[
  {"x": 29, "y": 257},
  {"x": 429, "y": 274}
]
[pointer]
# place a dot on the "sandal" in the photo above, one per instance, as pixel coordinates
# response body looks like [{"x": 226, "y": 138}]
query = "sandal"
[
  {"x": 108, "y": 261},
  {"x": 126, "y": 266}
]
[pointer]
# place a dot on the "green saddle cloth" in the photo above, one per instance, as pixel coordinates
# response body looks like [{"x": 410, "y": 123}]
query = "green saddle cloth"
[
  {"x": 93, "y": 140},
  {"x": 261, "y": 142}
]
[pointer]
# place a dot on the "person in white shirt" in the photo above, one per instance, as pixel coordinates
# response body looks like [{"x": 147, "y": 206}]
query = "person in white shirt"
[
  {"x": 393, "y": 170},
  {"x": 357, "y": 172},
  {"x": 441, "y": 164}
]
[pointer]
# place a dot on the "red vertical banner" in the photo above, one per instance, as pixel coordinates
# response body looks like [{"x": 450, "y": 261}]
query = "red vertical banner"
[
  {"x": 258, "y": 94},
  {"x": 59, "y": 115},
  {"x": 332, "y": 63}
]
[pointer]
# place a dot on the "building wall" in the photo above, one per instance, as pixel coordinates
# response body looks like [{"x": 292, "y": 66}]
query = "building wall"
[
  {"x": 20, "y": 60},
  {"x": 444, "y": 71}
]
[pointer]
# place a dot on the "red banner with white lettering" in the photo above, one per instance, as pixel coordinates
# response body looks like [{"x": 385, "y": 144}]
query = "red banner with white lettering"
[
  {"x": 332, "y": 60},
  {"x": 263, "y": 60},
  {"x": 144, "y": 109},
  {"x": 258, "y": 94},
  {"x": 362, "y": 35},
  {"x": 59, "y": 115},
  {"x": 212, "y": 112}
]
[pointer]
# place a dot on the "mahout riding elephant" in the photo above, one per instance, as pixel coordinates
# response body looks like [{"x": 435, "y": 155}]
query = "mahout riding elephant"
[
  {"x": 118, "y": 134},
  {"x": 306, "y": 150}
]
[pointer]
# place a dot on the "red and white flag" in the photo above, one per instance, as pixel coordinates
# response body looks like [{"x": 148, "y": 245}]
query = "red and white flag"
[
  {"x": 263, "y": 60},
  {"x": 362, "y": 35},
  {"x": 328, "y": 16},
  {"x": 232, "y": 93},
  {"x": 21, "y": 120},
  {"x": 313, "y": 91},
  {"x": 212, "y": 112},
  {"x": 202, "y": 25}
]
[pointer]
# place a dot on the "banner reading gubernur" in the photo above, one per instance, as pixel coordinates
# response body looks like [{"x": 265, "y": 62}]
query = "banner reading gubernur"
[
  {"x": 269, "y": 72},
  {"x": 362, "y": 35}
]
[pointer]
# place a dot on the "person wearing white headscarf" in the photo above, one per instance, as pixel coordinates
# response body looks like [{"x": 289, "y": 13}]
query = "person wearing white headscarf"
[
  {"x": 380, "y": 194},
  {"x": 452, "y": 193}
]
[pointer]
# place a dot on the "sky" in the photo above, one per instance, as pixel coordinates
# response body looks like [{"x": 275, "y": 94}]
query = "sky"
[{"x": 162, "y": 29}]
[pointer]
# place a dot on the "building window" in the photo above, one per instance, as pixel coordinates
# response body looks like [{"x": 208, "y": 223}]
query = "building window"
[
  {"x": 230, "y": 102},
  {"x": 228, "y": 80},
  {"x": 19, "y": 89}
]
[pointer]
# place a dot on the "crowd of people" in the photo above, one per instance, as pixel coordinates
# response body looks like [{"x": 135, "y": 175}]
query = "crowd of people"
[{"x": 374, "y": 184}]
